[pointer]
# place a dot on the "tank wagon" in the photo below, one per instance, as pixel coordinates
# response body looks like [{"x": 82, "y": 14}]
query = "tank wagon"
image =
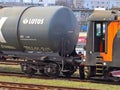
[
  {"x": 50, "y": 30},
  {"x": 103, "y": 45}
]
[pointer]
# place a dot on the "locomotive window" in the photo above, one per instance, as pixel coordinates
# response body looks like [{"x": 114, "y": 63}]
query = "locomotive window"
[
  {"x": 104, "y": 28},
  {"x": 98, "y": 29}
]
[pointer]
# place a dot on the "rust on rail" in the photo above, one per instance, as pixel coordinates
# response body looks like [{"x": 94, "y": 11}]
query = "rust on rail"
[{"x": 20, "y": 86}]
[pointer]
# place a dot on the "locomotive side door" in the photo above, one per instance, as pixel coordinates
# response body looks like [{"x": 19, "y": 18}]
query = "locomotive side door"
[
  {"x": 96, "y": 41},
  {"x": 99, "y": 36}
]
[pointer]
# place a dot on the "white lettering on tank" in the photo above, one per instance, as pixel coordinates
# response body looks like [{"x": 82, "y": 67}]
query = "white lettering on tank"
[
  {"x": 33, "y": 21},
  {"x": 2, "y": 21}
]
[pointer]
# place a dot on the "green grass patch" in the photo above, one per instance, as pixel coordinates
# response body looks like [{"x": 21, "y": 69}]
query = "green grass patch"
[{"x": 10, "y": 68}]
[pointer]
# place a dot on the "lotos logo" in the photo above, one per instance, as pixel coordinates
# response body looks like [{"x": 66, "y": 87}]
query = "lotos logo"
[
  {"x": 25, "y": 21},
  {"x": 33, "y": 21}
]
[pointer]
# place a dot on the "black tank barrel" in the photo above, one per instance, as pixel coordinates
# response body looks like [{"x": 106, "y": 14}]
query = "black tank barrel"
[{"x": 38, "y": 29}]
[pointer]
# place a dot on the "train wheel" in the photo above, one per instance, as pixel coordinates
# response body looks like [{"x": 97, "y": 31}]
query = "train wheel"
[
  {"x": 70, "y": 70},
  {"x": 27, "y": 69},
  {"x": 52, "y": 69},
  {"x": 116, "y": 79},
  {"x": 68, "y": 74},
  {"x": 2, "y": 58},
  {"x": 31, "y": 71},
  {"x": 42, "y": 72}
]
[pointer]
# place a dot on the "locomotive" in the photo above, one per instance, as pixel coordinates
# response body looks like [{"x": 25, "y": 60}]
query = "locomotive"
[
  {"x": 51, "y": 33},
  {"x": 102, "y": 46}
]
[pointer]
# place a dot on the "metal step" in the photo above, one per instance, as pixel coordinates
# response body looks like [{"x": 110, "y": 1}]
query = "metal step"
[
  {"x": 99, "y": 69},
  {"x": 99, "y": 64},
  {"x": 99, "y": 58},
  {"x": 99, "y": 74}
]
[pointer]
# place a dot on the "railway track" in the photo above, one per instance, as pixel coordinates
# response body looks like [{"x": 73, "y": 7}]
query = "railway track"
[
  {"x": 19, "y": 86},
  {"x": 73, "y": 78},
  {"x": 11, "y": 62},
  {"x": 76, "y": 79}
]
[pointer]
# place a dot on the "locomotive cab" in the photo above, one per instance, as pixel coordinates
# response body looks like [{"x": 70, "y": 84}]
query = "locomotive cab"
[{"x": 102, "y": 46}]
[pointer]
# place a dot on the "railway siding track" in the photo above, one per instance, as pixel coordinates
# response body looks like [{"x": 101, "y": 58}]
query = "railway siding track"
[
  {"x": 11, "y": 62},
  {"x": 19, "y": 86},
  {"x": 37, "y": 76},
  {"x": 94, "y": 80}
]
